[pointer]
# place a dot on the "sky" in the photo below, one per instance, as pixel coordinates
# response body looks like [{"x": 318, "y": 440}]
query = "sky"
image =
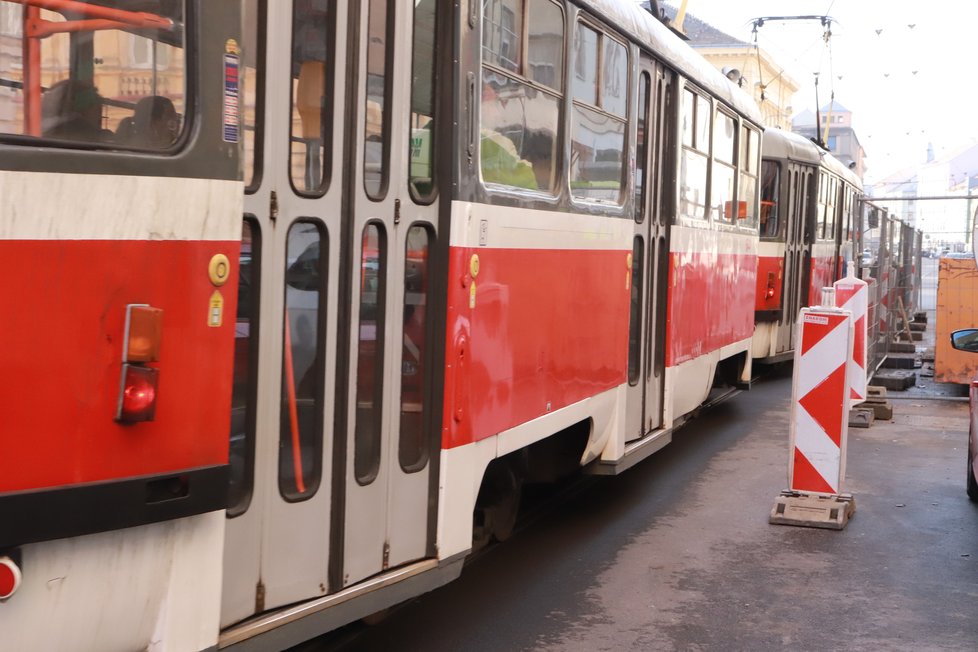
[{"x": 908, "y": 71}]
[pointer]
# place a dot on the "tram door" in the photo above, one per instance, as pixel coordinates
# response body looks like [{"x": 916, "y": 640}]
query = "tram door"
[
  {"x": 650, "y": 255},
  {"x": 330, "y": 459},
  {"x": 798, "y": 251},
  {"x": 388, "y": 495}
]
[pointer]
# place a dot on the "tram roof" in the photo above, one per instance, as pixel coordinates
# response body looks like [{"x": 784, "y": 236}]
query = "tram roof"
[
  {"x": 782, "y": 144},
  {"x": 648, "y": 32}
]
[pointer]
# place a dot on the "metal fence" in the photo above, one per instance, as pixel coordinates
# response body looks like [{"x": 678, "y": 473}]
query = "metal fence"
[{"x": 891, "y": 262}]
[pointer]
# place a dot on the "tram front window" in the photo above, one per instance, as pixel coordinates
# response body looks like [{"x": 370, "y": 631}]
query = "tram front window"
[{"x": 73, "y": 79}]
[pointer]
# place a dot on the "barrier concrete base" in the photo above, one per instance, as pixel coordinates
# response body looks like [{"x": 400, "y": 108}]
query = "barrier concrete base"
[
  {"x": 810, "y": 510},
  {"x": 876, "y": 401},
  {"x": 895, "y": 379},
  {"x": 861, "y": 417}
]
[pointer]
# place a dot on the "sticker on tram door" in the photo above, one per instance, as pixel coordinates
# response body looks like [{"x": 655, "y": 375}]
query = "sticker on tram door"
[
  {"x": 232, "y": 65},
  {"x": 215, "y": 311}
]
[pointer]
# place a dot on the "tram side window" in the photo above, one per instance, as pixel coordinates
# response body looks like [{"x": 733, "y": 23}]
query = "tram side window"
[
  {"x": 831, "y": 195},
  {"x": 421, "y": 175},
  {"x": 747, "y": 191},
  {"x": 722, "y": 198},
  {"x": 370, "y": 354},
  {"x": 310, "y": 134},
  {"x": 412, "y": 445},
  {"x": 598, "y": 121},
  {"x": 376, "y": 121},
  {"x": 80, "y": 81},
  {"x": 252, "y": 57},
  {"x": 520, "y": 107},
  {"x": 641, "y": 145},
  {"x": 301, "y": 416},
  {"x": 823, "y": 191},
  {"x": 770, "y": 199},
  {"x": 695, "y": 159},
  {"x": 244, "y": 387}
]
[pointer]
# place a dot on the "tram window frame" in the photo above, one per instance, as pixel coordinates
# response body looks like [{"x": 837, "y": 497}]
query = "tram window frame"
[
  {"x": 258, "y": 128},
  {"x": 522, "y": 173},
  {"x": 582, "y": 109},
  {"x": 82, "y": 90},
  {"x": 316, "y": 368},
  {"x": 693, "y": 150},
  {"x": 240, "y": 501},
  {"x": 418, "y": 47},
  {"x": 327, "y": 105}
]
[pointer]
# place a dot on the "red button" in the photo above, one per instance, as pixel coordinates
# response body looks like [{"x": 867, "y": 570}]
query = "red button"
[{"x": 9, "y": 577}]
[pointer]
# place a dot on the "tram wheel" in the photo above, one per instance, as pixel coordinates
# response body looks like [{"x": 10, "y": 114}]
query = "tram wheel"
[{"x": 498, "y": 504}]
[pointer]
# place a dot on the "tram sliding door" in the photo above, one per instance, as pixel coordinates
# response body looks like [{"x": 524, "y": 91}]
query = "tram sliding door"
[
  {"x": 331, "y": 438},
  {"x": 650, "y": 257},
  {"x": 798, "y": 251},
  {"x": 390, "y": 449},
  {"x": 282, "y": 441}
]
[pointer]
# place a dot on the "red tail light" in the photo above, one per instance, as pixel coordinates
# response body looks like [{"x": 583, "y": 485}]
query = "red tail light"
[
  {"x": 9, "y": 577},
  {"x": 137, "y": 394},
  {"x": 770, "y": 286},
  {"x": 137, "y": 399}
]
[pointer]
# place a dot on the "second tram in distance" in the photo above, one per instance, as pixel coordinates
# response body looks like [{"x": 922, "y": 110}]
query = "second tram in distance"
[{"x": 810, "y": 210}]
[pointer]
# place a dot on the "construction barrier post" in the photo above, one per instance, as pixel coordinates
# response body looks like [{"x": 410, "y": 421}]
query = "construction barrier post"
[
  {"x": 819, "y": 420},
  {"x": 852, "y": 294}
]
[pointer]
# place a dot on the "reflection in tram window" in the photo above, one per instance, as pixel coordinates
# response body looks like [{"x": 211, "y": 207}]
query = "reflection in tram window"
[
  {"x": 520, "y": 110},
  {"x": 370, "y": 354},
  {"x": 770, "y": 199},
  {"x": 301, "y": 429},
  {"x": 312, "y": 49},
  {"x": 244, "y": 387},
  {"x": 375, "y": 137},
  {"x": 422, "y": 154},
  {"x": 412, "y": 448},
  {"x": 97, "y": 85}
]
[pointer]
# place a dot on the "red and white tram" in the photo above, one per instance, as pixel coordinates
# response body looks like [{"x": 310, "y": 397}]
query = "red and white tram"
[
  {"x": 809, "y": 208},
  {"x": 484, "y": 244}
]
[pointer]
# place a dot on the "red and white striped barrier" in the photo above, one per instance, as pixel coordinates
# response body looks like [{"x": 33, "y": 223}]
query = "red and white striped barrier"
[
  {"x": 852, "y": 294},
  {"x": 820, "y": 400}
]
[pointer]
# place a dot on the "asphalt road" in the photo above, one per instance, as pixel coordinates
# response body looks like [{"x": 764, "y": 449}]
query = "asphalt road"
[{"x": 677, "y": 553}]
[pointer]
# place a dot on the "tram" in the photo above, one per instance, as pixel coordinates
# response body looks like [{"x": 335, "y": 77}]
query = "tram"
[
  {"x": 810, "y": 209},
  {"x": 305, "y": 296}
]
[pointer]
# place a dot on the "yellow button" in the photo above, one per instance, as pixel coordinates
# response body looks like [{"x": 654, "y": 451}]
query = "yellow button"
[{"x": 219, "y": 269}]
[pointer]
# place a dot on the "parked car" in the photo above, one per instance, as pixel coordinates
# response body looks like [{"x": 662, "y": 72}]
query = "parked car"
[{"x": 967, "y": 340}]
